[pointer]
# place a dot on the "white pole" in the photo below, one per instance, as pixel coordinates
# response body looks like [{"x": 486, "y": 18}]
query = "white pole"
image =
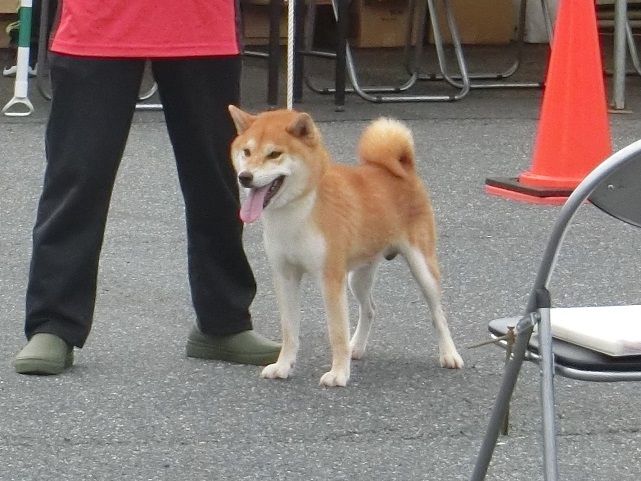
[
  {"x": 21, "y": 86},
  {"x": 290, "y": 53}
]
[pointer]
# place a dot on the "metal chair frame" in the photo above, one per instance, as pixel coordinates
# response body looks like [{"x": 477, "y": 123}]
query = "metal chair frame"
[
  {"x": 491, "y": 80},
  {"x": 42, "y": 75},
  {"x": 622, "y": 35},
  {"x": 537, "y": 313},
  {"x": 272, "y": 53},
  {"x": 426, "y": 10},
  {"x": 381, "y": 94}
]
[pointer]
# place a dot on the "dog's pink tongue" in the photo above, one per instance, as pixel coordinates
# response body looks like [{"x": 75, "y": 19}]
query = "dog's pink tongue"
[{"x": 252, "y": 206}]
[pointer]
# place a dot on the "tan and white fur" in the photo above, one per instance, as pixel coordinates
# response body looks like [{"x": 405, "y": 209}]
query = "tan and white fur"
[{"x": 336, "y": 223}]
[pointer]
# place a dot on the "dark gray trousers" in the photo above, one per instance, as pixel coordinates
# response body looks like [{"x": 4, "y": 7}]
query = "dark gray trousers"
[{"x": 91, "y": 113}]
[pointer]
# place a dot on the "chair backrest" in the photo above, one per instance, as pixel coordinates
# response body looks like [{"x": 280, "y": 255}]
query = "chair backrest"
[
  {"x": 619, "y": 194},
  {"x": 612, "y": 2},
  {"x": 614, "y": 186}
]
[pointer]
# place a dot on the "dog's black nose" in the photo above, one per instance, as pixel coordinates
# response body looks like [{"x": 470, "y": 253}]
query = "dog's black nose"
[{"x": 245, "y": 178}]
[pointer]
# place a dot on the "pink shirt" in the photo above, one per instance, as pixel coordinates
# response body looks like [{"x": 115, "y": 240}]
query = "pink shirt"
[{"x": 147, "y": 28}]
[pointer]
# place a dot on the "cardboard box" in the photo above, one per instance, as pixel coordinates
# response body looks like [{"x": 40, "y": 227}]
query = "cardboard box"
[
  {"x": 8, "y": 10},
  {"x": 379, "y": 23},
  {"x": 487, "y": 22},
  {"x": 4, "y": 36},
  {"x": 256, "y": 21},
  {"x": 373, "y": 23},
  {"x": 256, "y": 24},
  {"x": 9, "y": 6}
]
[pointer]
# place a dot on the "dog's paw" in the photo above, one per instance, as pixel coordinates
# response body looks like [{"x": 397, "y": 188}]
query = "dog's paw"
[
  {"x": 357, "y": 352},
  {"x": 451, "y": 360},
  {"x": 334, "y": 379},
  {"x": 276, "y": 371}
]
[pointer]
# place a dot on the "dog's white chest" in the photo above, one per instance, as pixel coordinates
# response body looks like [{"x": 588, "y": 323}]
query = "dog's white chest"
[{"x": 294, "y": 241}]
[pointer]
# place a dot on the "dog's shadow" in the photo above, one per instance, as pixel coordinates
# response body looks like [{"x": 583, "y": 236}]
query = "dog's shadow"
[{"x": 379, "y": 367}]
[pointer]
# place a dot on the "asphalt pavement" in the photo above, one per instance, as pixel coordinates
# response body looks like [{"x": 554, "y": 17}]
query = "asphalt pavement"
[{"x": 133, "y": 407}]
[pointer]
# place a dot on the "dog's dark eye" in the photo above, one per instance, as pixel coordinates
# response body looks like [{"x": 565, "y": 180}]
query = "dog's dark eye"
[
  {"x": 274, "y": 155},
  {"x": 246, "y": 152}
]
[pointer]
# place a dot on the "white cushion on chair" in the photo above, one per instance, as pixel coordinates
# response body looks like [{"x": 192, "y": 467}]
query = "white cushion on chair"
[{"x": 612, "y": 330}]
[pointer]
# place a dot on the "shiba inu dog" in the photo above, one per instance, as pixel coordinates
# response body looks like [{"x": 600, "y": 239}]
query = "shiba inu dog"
[{"x": 336, "y": 223}]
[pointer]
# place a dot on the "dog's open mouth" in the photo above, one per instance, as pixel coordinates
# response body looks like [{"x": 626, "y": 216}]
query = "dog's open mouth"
[
  {"x": 258, "y": 198},
  {"x": 274, "y": 187}
]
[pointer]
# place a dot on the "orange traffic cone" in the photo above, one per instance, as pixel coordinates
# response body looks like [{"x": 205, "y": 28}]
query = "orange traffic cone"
[{"x": 573, "y": 135}]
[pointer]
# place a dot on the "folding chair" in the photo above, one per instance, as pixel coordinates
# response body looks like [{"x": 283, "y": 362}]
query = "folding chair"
[
  {"x": 491, "y": 80},
  {"x": 49, "y": 13},
  {"x": 419, "y": 9},
  {"x": 272, "y": 53},
  {"x": 616, "y": 13},
  {"x": 421, "y": 13},
  {"x": 615, "y": 187}
]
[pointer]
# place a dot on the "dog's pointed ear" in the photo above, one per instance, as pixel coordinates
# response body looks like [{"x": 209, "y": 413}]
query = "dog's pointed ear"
[
  {"x": 242, "y": 120},
  {"x": 302, "y": 126}
]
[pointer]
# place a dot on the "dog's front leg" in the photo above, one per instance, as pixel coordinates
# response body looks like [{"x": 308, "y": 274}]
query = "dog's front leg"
[
  {"x": 287, "y": 283},
  {"x": 335, "y": 297}
]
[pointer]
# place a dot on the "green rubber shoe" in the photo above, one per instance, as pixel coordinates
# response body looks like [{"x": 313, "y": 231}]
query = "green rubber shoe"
[
  {"x": 44, "y": 354},
  {"x": 247, "y": 347}
]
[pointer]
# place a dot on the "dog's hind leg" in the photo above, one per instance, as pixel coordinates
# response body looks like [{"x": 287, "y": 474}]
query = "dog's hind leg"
[
  {"x": 426, "y": 274},
  {"x": 360, "y": 283},
  {"x": 287, "y": 284}
]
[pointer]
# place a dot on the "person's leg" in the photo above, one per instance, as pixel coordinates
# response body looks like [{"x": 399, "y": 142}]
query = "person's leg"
[
  {"x": 92, "y": 107},
  {"x": 195, "y": 94}
]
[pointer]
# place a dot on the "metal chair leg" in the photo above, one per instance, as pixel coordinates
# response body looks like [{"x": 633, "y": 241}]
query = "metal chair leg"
[
  {"x": 512, "y": 69},
  {"x": 342, "y": 51},
  {"x": 372, "y": 93},
  {"x": 149, "y": 93},
  {"x": 272, "y": 55},
  {"x": 43, "y": 70},
  {"x": 632, "y": 47},
  {"x": 43, "y": 42},
  {"x": 273, "y": 61},
  {"x": 618, "y": 81},
  {"x": 463, "y": 88},
  {"x": 523, "y": 331},
  {"x": 546, "y": 363}
]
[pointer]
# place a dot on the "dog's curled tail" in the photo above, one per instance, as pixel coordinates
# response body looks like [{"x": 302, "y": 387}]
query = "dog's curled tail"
[{"x": 388, "y": 143}]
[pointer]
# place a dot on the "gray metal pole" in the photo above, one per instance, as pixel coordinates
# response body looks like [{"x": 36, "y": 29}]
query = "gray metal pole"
[
  {"x": 618, "y": 79},
  {"x": 523, "y": 332},
  {"x": 546, "y": 364}
]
